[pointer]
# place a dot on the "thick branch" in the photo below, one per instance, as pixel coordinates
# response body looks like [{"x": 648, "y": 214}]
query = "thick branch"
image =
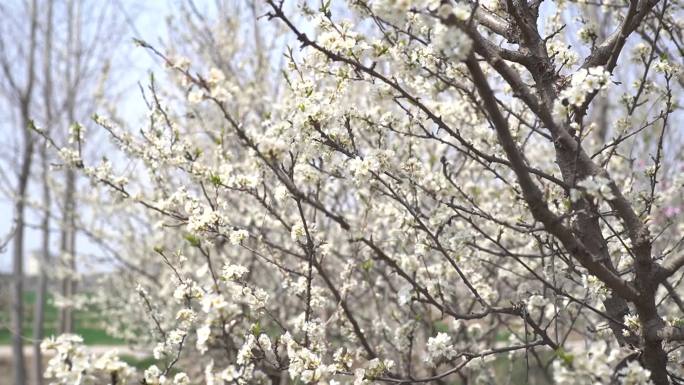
[{"x": 534, "y": 196}]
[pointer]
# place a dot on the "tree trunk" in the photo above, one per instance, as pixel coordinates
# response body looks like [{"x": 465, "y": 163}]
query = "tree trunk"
[
  {"x": 68, "y": 248},
  {"x": 17, "y": 313},
  {"x": 72, "y": 71},
  {"x": 18, "y": 255},
  {"x": 39, "y": 318}
]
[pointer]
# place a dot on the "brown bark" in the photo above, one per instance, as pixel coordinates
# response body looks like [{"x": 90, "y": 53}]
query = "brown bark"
[{"x": 586, "y": 242}]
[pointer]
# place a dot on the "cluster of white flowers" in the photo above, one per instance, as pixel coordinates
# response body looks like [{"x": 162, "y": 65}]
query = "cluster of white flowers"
[
  {"x": 202, "y": 217},
  {"x": 298, "y": 232},
  {"x": 641, "y": 51},
  {"x": 362, "y": 168},
  {"x": 634, "y": 374},
  {"x": 154, "y": 376},
  {"x": 666, "y": 67},
  {"x": 633, "y": 325},
  {"x": 104, "y": 172},
  {"x": 583, "y": 82},
  {"x": 562, "y": 53},
  {"x": 76, "y": 133},
  {"x": 71, "y": 363},
  {"x": 596, "y": 186},
  {"x": 327, "y": 224},
  {"x": 596, "y": 289},
  {"x": 393, "y": 10},
  {"x": 439, "y": 347},
  {"x": 341, "y": 40},
  {"x": 70, "y": 156},
  {"x": 232, "y": 272},
  {"x": 596, "y": 366},
  {"x": 588, "y": 33},
  {"x": 237, "y": 236},
  {"x": 306, "y": 365},
  {"x": 187, "y": 290},
  {"x": 195, "y": 96}
]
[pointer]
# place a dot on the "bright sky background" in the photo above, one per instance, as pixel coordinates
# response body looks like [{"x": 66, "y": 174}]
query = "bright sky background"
[{"x": 145, "y": 20}]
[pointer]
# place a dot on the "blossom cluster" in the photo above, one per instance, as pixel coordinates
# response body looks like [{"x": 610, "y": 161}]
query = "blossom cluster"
[
  {"x": 72, "y": 364},
  {"x": 358, "y": 217},
  {"x": 582, "y": 83}
]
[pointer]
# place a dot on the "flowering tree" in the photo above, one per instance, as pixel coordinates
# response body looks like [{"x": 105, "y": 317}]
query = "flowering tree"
[{"x": 427, "y": 194}]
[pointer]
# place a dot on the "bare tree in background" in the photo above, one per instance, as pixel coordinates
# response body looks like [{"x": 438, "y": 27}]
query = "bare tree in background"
[
  {"x": 19, "y": 94},
  {"x": 65, "y": 55},
  {"x": 41, "y": 295},
  {"x": 68, "y": 236}
]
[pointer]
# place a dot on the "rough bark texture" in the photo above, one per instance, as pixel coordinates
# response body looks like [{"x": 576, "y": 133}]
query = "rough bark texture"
[{"x": 575, "y": 165}]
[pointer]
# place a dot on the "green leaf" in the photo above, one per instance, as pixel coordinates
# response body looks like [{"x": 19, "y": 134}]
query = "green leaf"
[
  {"x": 193, "y": 240},
  {"x": 256, "y": 328},
  {"x": 367, "y": 265},
  {"x": 215, "y": 180},
  {"x": 565, "y": 356}
]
